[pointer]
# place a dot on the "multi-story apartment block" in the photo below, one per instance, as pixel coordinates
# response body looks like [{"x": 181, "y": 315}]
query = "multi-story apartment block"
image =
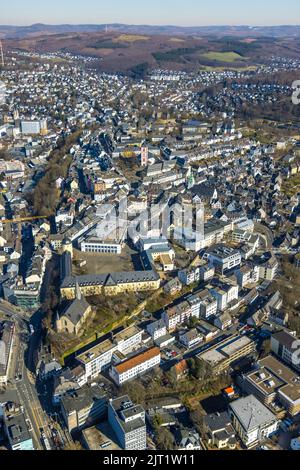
[
  {"x": 83, "y": 407},
  {"x": 33, "y": 127},
  {"x": 286, "y": 346},
  {"x": 246, "y": 275},
  {"x": 194, "y": 303},
  {"x": 223, "y": 258},
  {"x": 128, "y": 339},
  {"x": 205, "y": 272},
  {"x": 224, "y": 293},
  {"x": 185, "y": 310},
  {"x": 128, "y": 423},
  {"x": 13, "y": 169},
  {"x": 214, "y": 231},
  {"x": 171, "y": 316},
  {"x": 157, "y": 329},
  {"x": 136, "y": 366},
  {"x": 7, "y": 334},
  {"x": 189, "y": 276},
  {"x": 100, "y": 356},
  {"x": 181, "y": 313},
  {"x": 268, "y": 269},
  {"x": 191, "y": 338},
  {"x": 221, "y": 297},
  {"x": 208, "y": 304}
]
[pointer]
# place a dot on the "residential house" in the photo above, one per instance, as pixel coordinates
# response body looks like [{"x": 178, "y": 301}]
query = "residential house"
[{"x": 221, "y": 434}]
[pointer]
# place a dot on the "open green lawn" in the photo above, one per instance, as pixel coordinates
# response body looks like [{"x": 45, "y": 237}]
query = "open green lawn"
[
  {"x": 291, "y": 186},
  {"x": 223, "y": 56},
  {"x": 219, "y": 68}
]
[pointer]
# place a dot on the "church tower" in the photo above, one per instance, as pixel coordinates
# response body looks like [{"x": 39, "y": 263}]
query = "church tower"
[{"x": 67, "y": 246}]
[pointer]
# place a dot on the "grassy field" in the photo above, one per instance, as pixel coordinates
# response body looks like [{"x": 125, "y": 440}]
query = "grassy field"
[
  {"x": 177, "y": 40},
  {"x": 227, "y": 57},
  {"x": 291, "y": 186},
  {"x": 131, "y": 38},
  {"x": 218, "y": 68}
]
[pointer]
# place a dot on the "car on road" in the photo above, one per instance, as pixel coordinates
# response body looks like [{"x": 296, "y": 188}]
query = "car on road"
[{"x": 29, "y": 426}]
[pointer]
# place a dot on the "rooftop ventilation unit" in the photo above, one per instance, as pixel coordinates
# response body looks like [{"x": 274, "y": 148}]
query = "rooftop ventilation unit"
[{"x": 126, "y": 405}]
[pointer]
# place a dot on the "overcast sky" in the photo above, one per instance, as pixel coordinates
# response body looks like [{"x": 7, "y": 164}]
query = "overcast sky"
[{"x": 175, "y": 12}]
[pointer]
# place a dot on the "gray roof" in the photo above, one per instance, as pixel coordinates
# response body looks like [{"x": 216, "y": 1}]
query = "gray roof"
[
  {"x": 124, "y": 408},
  {"x": 76, "y": 310},
  {"x": 217, "y": 421},
  {"x": 17, "y": 429},
  {"x": 185, "y": 437},
  {"x": 285, "y": 338},
  {"x": 203, "y": 190},
  {"x": 214, "y": 225},
  {"x": 111, "y": 279},
  {"x": 82, "y": 398},
  {"x": 157, "y": 325},
  {"x": 251, "y": 413}
]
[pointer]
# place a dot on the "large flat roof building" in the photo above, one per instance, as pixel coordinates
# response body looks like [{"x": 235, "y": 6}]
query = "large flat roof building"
[
  {"x": 221, "y": 356},
  {"x": 253, "y": 421},
  {"x": 272, "y": 380}
]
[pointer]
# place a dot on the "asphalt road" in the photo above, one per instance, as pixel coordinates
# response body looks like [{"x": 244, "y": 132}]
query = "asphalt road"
[
  {"x": 22, "y": 380},
  {"x": 266, "y": 233}
]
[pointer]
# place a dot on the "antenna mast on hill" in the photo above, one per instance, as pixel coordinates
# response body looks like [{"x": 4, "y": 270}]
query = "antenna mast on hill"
[{"x": 1, "y": 54}]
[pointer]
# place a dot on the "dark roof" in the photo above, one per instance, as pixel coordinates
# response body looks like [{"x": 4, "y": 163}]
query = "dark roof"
[
  {"x": 17, "y": 429},
  {"x": 66, "y": 265},
  {"x": 75, "y": 310},
  {"x": 82, "y": 398},
  {"x": 203, "y": 190},
  {"x": 285, "y": 338},
  {"x": 113, "y": 278},
  {"x": 217, "y": 421}
]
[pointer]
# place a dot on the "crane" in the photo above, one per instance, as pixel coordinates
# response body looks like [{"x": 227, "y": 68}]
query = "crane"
[
  {"x": 23, "y": 219},
  {"x": 1, "y": 54}
]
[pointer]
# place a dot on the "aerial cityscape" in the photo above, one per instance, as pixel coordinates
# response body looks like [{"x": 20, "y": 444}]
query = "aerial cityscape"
[{"x": 149, "y": 229}]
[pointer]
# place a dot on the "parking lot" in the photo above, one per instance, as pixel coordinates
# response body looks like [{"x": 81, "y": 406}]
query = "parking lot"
[{"x": 172, "y": 351}]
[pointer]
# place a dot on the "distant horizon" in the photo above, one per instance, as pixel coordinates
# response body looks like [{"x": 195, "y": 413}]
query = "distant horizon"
[
  {"x": 202, "y": 13},
  {"x": 212, "y": 25}
]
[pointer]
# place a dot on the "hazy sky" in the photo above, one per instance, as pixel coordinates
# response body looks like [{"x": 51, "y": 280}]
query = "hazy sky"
[{"x": 177, "y": 12}]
